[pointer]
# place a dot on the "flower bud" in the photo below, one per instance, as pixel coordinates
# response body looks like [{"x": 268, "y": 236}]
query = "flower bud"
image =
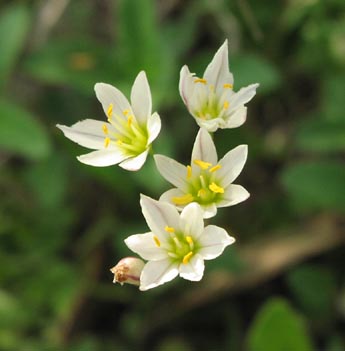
[{"x": 128, "y": 271}]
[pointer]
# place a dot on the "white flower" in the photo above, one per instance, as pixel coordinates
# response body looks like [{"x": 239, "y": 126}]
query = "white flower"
[
  {"x": 177, "y": 244},
  {"x": 206, "y": 180},
  {"x": 131, "y": 128},
  {"x": 211, "y": 99},
  {"x": 128, "y": 271}
]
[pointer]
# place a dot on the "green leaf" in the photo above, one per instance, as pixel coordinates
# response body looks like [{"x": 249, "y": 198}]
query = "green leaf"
[
  {"x": 248, "y": 69},
  {"x": 321, "y": 136},
  {"x": 314, "y": 287},
  {"x": 277, "y": 327},
  {"x": 316, "y": 185},
  {"x": 14, "y": 25},
  {"x": 333, "y": 98},
  {"x": 21, "y": 133}
]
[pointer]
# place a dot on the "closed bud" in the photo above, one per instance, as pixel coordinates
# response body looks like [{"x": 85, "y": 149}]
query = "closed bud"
[{"x": 128, "y": 271}]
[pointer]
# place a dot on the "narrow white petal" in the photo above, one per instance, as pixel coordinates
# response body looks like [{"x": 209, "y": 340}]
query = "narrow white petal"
[
  {"x": 217, "y": 72},
  {"x": 242, "y": 96},
  {"x": 102, "y": 158},
  {"x": 153, "y": 127},
  {"x": 204, "y": 148},
  {"x": 156, "y": 273},
  {"x": 186, "y": 85},
  {"x": 172, "y": 171},
  {"x": 141, "y": 98},
  {"x": 213, "y": 242},
  {"x": 232, "y": 164},
  {"x": 87, "y": 133},
  {"x": 233, "y": 195},
  {"x": 209, "y": 211},
  {"x": 158, "y": 215},
  {"x": 145, "y": 246},
  {"x": 235, "y": 119},
  {"x": 191, "y": 220},
  {"x": 168, "y": 195},
  {"x": 109, "y": 95},
  {"x": 194, "y": 269},
  {"x": 134, "y": 163}
]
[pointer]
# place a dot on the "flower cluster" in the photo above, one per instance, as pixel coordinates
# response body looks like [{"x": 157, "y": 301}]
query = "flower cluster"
[{"x": 178, "y": 242}]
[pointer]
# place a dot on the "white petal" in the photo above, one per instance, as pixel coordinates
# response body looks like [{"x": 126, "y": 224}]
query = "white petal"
[
  {"x": 232, "y": 164},
  {"x": 107, "y": 94},
  {"x": 217, "y": 72},
  {"x": 168, "y": 195},
  {"x": 141, "y": 98},
  {"x": 156, "y": 273},
  {"x": 194, "y": 269},
  {"x": 172, "y": 171},
  {"x": 191, "y": 220},
  {"x": 233, "y": 195},
  {"x": 134, "y": 163},
  {"x": 211, "y": 125},
  {"x": 102, "y": 158},
  {"x": 87, "y": 133},
  {"x": 158, "y": 215},
  {"x": 209, "y": 211},
  {"x": 242, "y": 96},
  {"x": 235, "y": 119},
  {"x": 213, "y": 242},
  {"x": 153, "y": 127},
  {"x": 145, "y": 246},
  {"x": 186, "y": 85},
  {"x": 204, "y": 148}
]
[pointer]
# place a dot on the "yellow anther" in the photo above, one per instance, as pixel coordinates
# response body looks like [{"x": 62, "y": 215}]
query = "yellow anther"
[
  {"x": 157, "y": 241},
  {"x": 106, "y": 142},
  {"x": 215, "y": 168},
  {"x": 201, "y": 192},
  {"x": 183, "y": 200},
  {"x": 202, "y": 164},
  {"x": 126, "y": 112},
  {"x": 119, "y": 142},
  {"x": 226, "y": 105},
  {"x": 105, "y": 129},
  {"x": 189, "y": 172},
  {"x": 216, "y": 189},
  {"x": 110, "y": 110},
  {"x": 169, "y": 229},
  {"x": 200, "y": 80},
  {"x": 187, "y": 257},
  {"x": 228, "y": 86},
  {"x": 129, "y": 120},
  {"x": 189, "y": 240}
]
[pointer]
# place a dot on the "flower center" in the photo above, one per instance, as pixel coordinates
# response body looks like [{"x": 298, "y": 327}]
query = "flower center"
[
  {"x": 213, "y": 104},
  {"x": 128, "y": 134},
  {"x": 203, "y": 188}
]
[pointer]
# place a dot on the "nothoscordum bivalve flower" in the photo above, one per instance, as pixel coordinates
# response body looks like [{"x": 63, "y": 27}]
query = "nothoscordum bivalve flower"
[
  {"x": 127, "y": 136},
  {"x": 211, "y": 99},
  {"x": 128, "y": 271},
  {"x": 206, "y": 180},
  {"x": 177, "y": 244}
]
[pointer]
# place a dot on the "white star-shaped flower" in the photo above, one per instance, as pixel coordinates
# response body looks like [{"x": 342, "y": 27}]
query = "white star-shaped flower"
[
  {"x": 127, "y": 136},
  {"x": 178, "y": 244},
  {"x": 211, "y": 99},
  {"x": 206, "y": 180}
]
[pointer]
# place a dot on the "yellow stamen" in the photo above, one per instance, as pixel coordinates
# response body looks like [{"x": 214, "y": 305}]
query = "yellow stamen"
[
  {"x": 126, "y": 112},
  {"x": 216, "y": 189},
  {"x": 202, "y": 164},
  {"x": 187, "y": 257},
  {"x": 215, "y": 168},
  {"x": 228, "y": 86},
  {"x": 189, "y": 172},
  {"x": 157, "y": 241},
  {"x": 105, "y": 129},
  {"x": 189, "y": 240},
  {"x": 129, "y": 120},
  {"x": 200, "y": 80},
  {"x": 183, "y": 200},
  {"x": 201, "y": 192},
  {"x": 110, "y": 110},
  {"x": 106, "y": 142},
  {"x": 226, "y": 105},
  {"x": 119, "y": 142},
  {"x": 169, "y": 229}
]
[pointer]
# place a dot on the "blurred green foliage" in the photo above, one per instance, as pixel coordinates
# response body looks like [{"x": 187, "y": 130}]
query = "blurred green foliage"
[{"x": 62, "y": 224}]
